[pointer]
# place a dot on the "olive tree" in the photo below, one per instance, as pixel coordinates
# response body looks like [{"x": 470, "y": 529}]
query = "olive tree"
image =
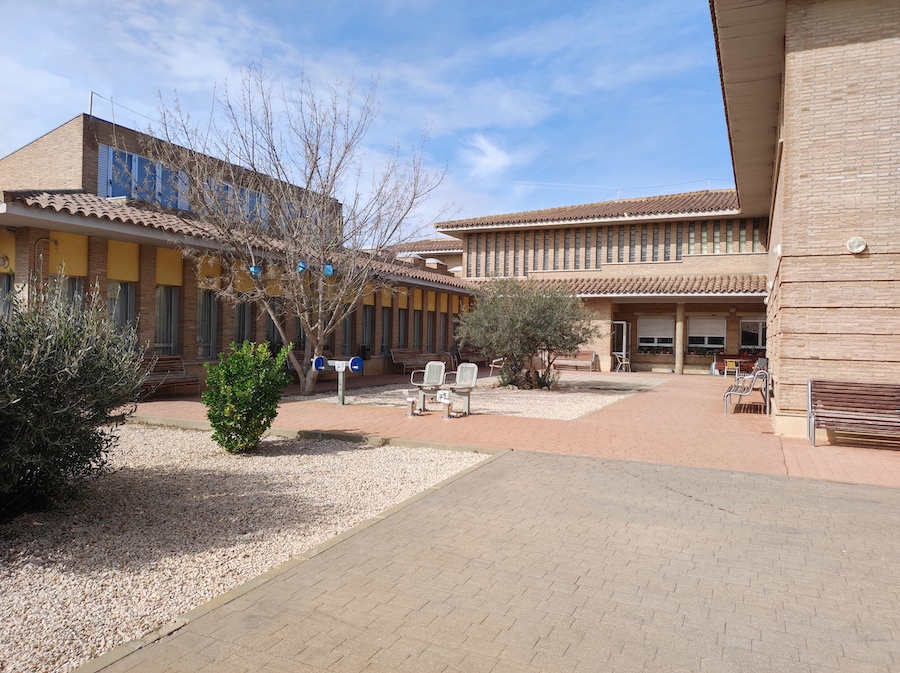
[
  {"x": 67, "y": 378},
  {"x": 281, "y": 181},
  {"x": 527, "y": 324}
]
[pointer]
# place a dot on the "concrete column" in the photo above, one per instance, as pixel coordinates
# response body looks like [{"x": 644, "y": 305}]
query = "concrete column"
[{"x": 679, "y": 338}]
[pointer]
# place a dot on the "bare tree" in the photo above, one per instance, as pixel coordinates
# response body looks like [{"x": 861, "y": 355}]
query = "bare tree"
[{"x": 276, "y": 179}]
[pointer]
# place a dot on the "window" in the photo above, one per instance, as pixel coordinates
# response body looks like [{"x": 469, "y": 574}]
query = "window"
[
  {"x": 429, "y": 333},
  {"x": 127, "y": 174},
  {"x": 417, "y": 329},
  {"x": 443, "y": 333},
  {"x": 207, "y": 317},
  {"x": 120, "y": 301},
  {"x": 656, "y": 332},
  {"x": 75, "y": 290},
  {"x": 347, "y": 340},
  {"x": 243, "y": 322},
  {"x": 402, "y": 328},
  {"x": 273, "y": 336},
  {"x": 368, "y": 325},
  {"x": 753, "y": 334},
  {"x": 706, "y": 332},
  {"x": 6, "y": 291},
  {"x": 385, "y": 329},
  {"x": 299, "y": 336},
  {"x": 229, "y": 199},
  {"x": 166, "y": 320}
]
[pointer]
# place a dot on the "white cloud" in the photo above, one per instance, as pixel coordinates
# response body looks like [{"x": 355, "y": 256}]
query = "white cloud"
[{"x": 486, "y": 159}]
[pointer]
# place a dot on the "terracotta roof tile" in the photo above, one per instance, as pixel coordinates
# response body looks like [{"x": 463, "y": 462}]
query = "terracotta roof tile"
[
  {"x": 128, "y": 212},
  {"x": 413, "y": 273},
  {"x": 444, "y": 244},
  {"x": 114, "y": 210},
  {"x": 671, "y": 205},
  {"x": 661, "y": 285}
]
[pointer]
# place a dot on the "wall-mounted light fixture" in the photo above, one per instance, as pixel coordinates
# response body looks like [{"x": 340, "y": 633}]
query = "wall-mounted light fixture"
[
  {"x": 856, "y": 244},
  {"x": 4, "y": 261}
]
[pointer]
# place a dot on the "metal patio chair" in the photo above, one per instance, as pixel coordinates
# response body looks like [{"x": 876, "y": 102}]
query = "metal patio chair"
[
  {"x": 464, "y": 380},
  {"x": 430, "y": 380}
]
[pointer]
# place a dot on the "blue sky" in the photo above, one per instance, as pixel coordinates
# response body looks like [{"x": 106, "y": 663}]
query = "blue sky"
[{"x": 530, "y": 104}]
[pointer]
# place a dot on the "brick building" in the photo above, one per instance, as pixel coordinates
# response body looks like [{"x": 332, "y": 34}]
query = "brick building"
[
  {"x": 803, "y": 257},
  {"x": 672, "y": 281},
  {"x": 66, "y": 207},
  {"x": 811, "y": 92}
]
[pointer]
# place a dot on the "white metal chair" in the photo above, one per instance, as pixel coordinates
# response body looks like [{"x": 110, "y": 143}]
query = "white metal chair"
[
  {"x": 464, "y": 380},
  {"x": 496, "y": 363},
  {"x": 623, "y": 363},
  {"x": 430, "y": 381}
]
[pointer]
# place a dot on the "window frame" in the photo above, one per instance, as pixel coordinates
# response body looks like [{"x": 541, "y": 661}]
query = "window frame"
[
  {"x": 166, "y": 331},
  {"x": 702, "y": 334},
  {"x": 207, "y": 324},
  {"x": 655, "y": 332},
  {"x": 121, "y": 305}
]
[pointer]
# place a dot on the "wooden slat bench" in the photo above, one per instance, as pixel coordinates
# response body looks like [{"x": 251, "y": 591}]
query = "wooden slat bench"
[
  {"x": 409, "y": 358},
  {"x": 167, "y": 371},
  {"x": 473, "y": 355},
  {"x": 580, "y": 360},
  {"x": 845, "y": 406}
]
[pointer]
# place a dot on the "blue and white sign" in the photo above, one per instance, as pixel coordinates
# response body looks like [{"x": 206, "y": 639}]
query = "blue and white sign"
[
  {"x": 319, "y": 363},
  {"x": 356, "y": 365}
]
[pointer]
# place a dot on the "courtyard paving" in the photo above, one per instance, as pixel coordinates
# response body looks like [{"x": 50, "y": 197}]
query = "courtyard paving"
[{"x": 656, "y": 534}]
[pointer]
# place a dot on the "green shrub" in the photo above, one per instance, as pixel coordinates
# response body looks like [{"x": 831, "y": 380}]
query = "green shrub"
[
  {"x": 67, "y": 378},
  {"x": 242, "y": 395}
]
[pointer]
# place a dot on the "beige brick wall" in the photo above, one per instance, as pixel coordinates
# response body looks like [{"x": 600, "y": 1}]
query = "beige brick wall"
[
  {"x": 53, "y": 161},
  {"x": 831, "y": 312}
]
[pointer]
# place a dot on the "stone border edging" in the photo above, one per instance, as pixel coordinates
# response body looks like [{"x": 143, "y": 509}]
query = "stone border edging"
[{"x": 121, "y": 651}]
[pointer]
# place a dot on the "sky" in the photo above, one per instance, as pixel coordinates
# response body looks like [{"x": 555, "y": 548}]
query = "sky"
[{"x": 528, "y": 104}]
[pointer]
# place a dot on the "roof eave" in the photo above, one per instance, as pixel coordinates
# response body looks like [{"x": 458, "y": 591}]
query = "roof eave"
[
  {"x": 750, "y": 49},
  {"x": 619, "y": 219}
]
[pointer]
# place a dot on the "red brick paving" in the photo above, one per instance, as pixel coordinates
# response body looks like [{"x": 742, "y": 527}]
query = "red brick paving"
[{"x": 680, "y": 422}]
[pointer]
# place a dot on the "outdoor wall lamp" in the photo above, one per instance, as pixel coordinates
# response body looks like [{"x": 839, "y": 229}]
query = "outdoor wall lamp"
[
  {"x": 4, "y": 261},
  {"x": 857, "y": 244}
]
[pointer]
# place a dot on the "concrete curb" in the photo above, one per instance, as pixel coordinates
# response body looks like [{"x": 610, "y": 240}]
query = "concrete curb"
[{"x": 121, "y": 651}]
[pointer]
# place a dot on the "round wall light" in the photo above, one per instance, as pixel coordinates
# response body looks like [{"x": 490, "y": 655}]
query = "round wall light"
[{"x": 856, "y": 245}]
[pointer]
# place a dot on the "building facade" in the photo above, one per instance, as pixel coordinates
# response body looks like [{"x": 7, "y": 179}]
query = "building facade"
[
  {"x": 671, "y": 281},
  {"x": 67, "y": 208},
  {"x": 811, "y": 89}
]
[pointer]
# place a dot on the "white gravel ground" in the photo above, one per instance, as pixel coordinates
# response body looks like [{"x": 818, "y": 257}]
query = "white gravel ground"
[
  {"x": 574, "y": 398},
  {"x": 178, "y": 522}
]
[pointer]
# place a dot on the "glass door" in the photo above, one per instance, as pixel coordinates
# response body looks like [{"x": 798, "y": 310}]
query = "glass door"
[{"x": 621, "y": 338}]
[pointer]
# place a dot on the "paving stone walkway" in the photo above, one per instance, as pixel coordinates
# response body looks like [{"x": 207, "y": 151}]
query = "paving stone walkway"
[
  {"x": 542, "y": 562},
  {"x": 657, "y": 534}
]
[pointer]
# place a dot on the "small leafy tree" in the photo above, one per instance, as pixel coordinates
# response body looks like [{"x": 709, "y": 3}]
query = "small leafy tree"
[
  {"x": 242, "y": 395},
  {"x": 528, "y": 325},
  {"x": 67, "y": 379}
]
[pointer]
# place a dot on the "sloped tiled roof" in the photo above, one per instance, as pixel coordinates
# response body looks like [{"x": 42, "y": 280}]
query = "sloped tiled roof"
[
  {"x": 735, "y": 283},
  {"x": 113, "y": 210},
  {"x": 414, "y": 273},
  {"x": 709, "y": 202},
  {"x": 132, "y": 213},
  {"x": 444, "y": 244}
]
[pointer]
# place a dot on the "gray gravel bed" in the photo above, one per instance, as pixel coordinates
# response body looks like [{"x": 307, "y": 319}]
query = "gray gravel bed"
[{"x": 177, "y": 522}]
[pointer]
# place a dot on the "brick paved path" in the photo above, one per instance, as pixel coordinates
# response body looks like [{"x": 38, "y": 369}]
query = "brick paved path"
[
  {"x": 547, "y": 562},
  {"x": 680, "y": 422}
]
